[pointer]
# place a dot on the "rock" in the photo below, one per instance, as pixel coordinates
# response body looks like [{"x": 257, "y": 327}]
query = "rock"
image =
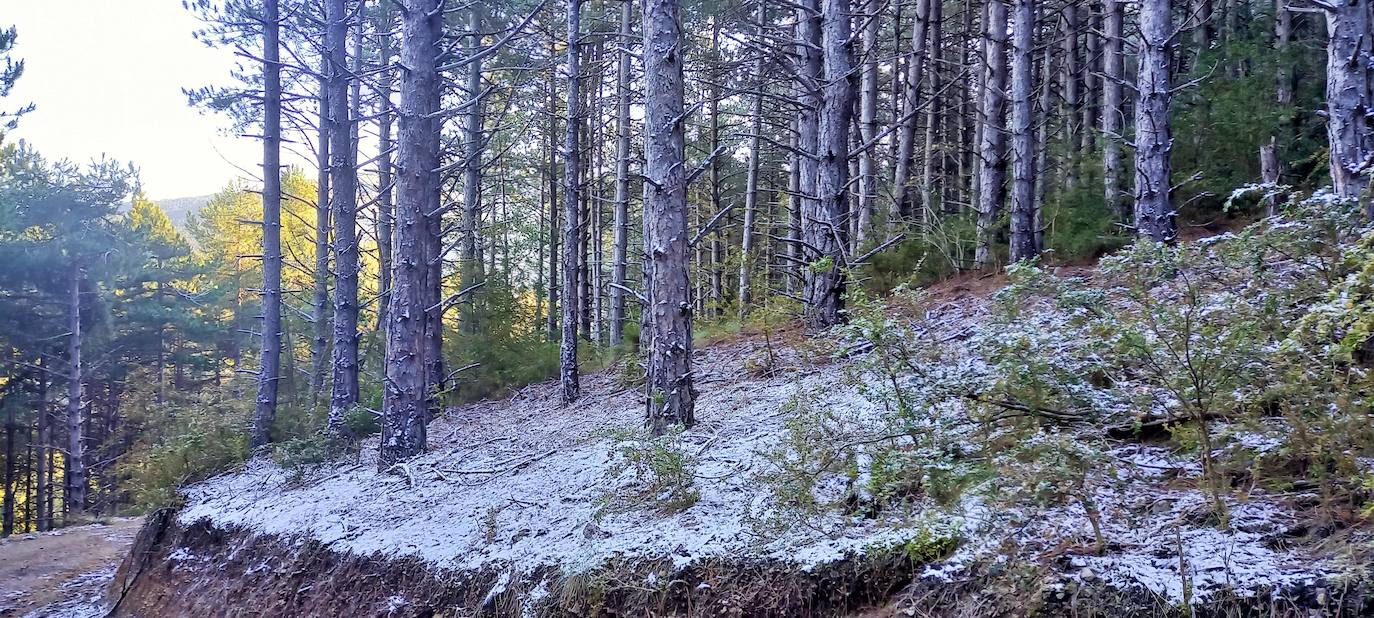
[{"x": 593, "y": 531}]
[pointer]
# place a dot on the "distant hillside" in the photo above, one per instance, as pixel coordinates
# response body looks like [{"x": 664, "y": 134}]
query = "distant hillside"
[{"x": 179, "y": 209}]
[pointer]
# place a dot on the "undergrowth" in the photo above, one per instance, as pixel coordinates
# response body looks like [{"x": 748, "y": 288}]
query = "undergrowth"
[
  {"x": 649, "y": 471},
  {"x": 1261, "y": 337}
]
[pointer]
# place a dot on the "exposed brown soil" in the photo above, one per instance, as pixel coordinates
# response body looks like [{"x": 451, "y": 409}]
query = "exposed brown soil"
[
  {"x": 41, "y": 571},
  {"x": 203, "y": 571}
]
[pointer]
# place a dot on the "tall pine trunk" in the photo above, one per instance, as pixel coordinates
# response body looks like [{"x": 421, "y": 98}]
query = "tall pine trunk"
[
  {"x": 474, "y": 141},
  {"x": 827, "y": 220},
  {"x": 621, "y": 242},
  {"x": 1350, "y": 95},
  {"x": 572, "y": 163},
  {"x": 795, "y": 264},
  {"x": 43, "y": 464},
  {"x": 751, "y": 181},
  {"x": 10, "y": 488},
  {"x": 1071, "y": 94},
  {"x": 671, "y": 394},
  {"x": 1023, "y": 241},
  {"x": 405, "y": 399},
  {"x": 74, "y": 461},
  {"x": 344, "y": 198},
  {"x": 385, "y": 181},
  {"x": 1113, "y": 116},
  {"x": 1154, "y": 212},
  {"x": 551, "y": 112},
  {"x": 269, "y": 370},
  {"x": 713, "y": 177},
  {"x": 992, "y": 144},
  {"x": 319, "y": 337},
  {"x": 933, "y": 165},
  {"x": 906, "y": 140},
  {"x": 868, "y": 119}
]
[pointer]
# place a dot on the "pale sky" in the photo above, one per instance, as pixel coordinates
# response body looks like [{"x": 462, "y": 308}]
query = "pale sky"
[{"x": 107, "y": 75}]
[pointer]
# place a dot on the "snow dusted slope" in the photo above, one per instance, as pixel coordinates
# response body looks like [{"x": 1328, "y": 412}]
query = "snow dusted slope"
[
  {"x": 519, "y": 482},
  {"x": 520, "y": 488}
]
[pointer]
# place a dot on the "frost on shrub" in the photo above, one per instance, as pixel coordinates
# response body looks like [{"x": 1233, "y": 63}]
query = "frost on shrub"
[
  {"x": 1252, "y": 350},
  {"x": 908, "y": 450},
  {"x": 649, "y": 470},
  {"x": 1042, "y": 348},
  {"x": 812, "y": 463}
]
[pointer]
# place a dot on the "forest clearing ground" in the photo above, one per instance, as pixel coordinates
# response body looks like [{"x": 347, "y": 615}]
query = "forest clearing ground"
[{"x": 56, "y": 573}]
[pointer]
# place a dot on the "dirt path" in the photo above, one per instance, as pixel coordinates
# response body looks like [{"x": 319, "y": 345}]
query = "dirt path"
[{"x": 62, "y": 573}]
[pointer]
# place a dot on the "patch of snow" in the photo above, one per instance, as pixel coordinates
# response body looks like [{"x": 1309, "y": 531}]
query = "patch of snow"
[
  {"x": 497, "y": 589},
  {"x": 530, "y": 607}
]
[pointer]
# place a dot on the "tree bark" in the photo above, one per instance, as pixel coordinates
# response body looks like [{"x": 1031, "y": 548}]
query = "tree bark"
[
  {"x": 825, "y": 223},
  {"x": 595, "y": 199},
  {"x": 1154, "y": 212},
  {"x": 269, "y": 370},
  {"x": 713, "y": 179},
  {"x": 868, "y": 122},
  {"x": 1071, "y": 94},
  {"x": 671, "y": 394},
  {"x": 1042, "y": 137},
  {"x": 551, "y": 111},
  {"x": 75, "y": 460},
  {"x": 385, "y": 180},
  {"x": 794, "y": 264},
  {"x": 1113, "y": 116},
  {"x": 319, "y": 340},
  {"x": 1023, "y": 242},
  {"x": 43, "y": 465},
  {"x": 1283, "y": 69},
  {"x": 751, "y": 181},
  {"x": 405, "y": 396},
  {"x": 572, "y": 164},
  {"x": 1092, "y": 77},
  {"x": 992, "y": 146},
  {"x": 1269, "y": 174},
  {"x": 933, "y": 165},
  {"x": 968, "y": 117},
  {"x": 1350, "y": 95},
  {"x": 9, "y": 489},
  {"x": 621, "y": 241},
  {"x": 906, "y": 141},
  {"x": 474, "y": 139},
  {"x": 1204, "y": 32},
  {"x": 344, "y": 198}
]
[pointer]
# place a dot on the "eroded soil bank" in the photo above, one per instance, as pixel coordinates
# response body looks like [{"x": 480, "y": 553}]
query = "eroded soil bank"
[{"x": 201, "y": 570}]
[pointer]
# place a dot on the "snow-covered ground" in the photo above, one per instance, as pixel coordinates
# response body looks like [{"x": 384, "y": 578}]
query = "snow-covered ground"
[
  {"x": 520, "y": 485},
  {"x": 520, "y": 482}
]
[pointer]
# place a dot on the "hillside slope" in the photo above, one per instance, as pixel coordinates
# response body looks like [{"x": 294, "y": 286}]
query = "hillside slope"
[{"x": 899, "y": 466}]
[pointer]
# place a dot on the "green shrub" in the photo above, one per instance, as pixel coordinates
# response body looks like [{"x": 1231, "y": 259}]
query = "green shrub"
[
  {"x": 186, "y": 438},
  {"x": 361, "y": 422},
  {"x": 297, "y": 455},
  {"x": 662, "y": 471}
]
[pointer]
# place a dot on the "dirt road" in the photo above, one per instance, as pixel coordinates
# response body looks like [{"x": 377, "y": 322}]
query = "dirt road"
[{"x": 62, "y": 573}]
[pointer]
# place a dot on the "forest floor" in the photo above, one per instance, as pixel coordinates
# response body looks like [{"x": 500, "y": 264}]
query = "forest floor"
[
  {"x": 768, "y": 505},
  {"x": 522, "y": 484},
  {"x": 64, "y": 572}
]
